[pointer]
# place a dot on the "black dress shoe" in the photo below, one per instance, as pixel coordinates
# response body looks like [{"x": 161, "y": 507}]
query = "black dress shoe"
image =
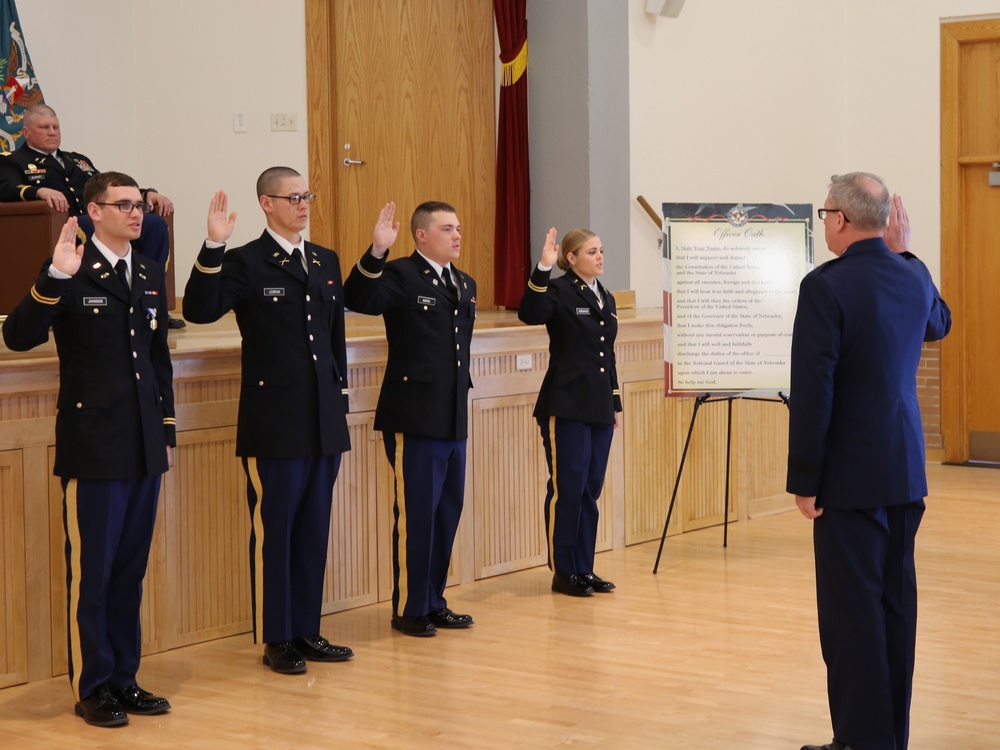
[
  {"x": 571, "y": 584},
  {"x": 135, "y": 700},
  {"x": 445, "y": 618},
  {"x": 175, "y": 322},
  {"x": 418, "y": 626},
  {"x": 318, "y": 648},
  {"x": 284, "y": 658},
  {"x": 835, "y": 745},
  {"x": 101, "y": 709},
  {"x": 597, "y": 583}
]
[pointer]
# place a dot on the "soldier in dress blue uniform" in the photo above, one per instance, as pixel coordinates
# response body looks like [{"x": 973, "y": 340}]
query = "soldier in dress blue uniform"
[
  {"x": 292, "y": 424},
  {"x": 40, "y": 170},
  {"x": 578, "y": 404},
  {"x": 429, "y": 309},
  {"x": 114, "y": 431}
]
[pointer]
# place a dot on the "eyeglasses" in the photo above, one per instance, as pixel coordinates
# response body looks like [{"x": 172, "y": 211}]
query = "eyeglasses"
[
  {"x": 824, "y": 211},
  {"x": 126, "y": 206},
  {"x": 295, "y": 198}
]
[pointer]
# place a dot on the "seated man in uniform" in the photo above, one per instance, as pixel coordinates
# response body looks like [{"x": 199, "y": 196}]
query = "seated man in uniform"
[{"x": 40, "y": 170}]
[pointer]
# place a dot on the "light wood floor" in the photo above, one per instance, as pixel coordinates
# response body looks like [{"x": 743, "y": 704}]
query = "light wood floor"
[{"x": 717, "y": 651}]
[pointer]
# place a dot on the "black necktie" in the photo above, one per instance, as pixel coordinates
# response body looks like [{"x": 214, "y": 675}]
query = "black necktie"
[
  {"x": 121, "y": 268},
  {"x": 448, "y": 283},
  {"x": 300, "y": 270}
]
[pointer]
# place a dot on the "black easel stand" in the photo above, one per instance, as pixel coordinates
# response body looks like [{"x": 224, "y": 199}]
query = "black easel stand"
[{"x": 707, "y": 399}]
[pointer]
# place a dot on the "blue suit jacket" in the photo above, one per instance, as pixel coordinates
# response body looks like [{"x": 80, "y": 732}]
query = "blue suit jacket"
[
  {"x": 425, "y": 390},
  {"x": 293, "y": 391},
  {"x": 115, "y": 411},
  {"x": 855, "y": 436},
  {"x": 581, "y": 382}
]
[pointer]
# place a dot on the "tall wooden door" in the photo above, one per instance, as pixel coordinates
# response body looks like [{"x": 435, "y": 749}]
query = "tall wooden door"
[
  {"x": 401, "y": 108},
  {"x": 970, "y": 239}
]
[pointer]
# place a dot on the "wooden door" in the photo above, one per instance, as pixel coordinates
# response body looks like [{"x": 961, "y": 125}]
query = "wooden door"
[
  {"x": 970, "y": 239},
  {"x": 407, "y": 88}
]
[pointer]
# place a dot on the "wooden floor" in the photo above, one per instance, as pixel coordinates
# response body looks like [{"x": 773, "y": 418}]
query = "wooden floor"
[{"x": 719, "y": 650}]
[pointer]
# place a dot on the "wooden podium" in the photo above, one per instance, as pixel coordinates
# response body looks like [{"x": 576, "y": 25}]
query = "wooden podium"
[{"x": 28, "y": 232}]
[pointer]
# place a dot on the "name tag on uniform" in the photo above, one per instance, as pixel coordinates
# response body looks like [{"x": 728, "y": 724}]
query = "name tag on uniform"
[
  {"x": 427, "y": 301},
  {"x": 274, "y": 291},
  {"x": 583, "y": 311},
  {"x": 95, "y": 301}
]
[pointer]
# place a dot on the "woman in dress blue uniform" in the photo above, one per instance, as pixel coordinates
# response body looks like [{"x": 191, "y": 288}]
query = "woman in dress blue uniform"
[{"x": 578, "y": 404}]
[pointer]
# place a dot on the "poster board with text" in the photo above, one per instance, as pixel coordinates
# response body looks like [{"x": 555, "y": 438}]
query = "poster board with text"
[{"x": 731, "y": 276}]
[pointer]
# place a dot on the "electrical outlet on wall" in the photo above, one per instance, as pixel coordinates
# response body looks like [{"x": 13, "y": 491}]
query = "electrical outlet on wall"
[{"x": 284, "y": 121}]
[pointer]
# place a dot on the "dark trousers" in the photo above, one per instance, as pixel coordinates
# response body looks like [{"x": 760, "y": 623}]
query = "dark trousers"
[
  {"x": 430, "y": 491},
  {"x": 290, "y": 502},
  {"x": 577, "y": 455},
  {"x": 154, "y": 239},
  {"x": 866, "y": 592},
  {"x": 109, "y": 529}
]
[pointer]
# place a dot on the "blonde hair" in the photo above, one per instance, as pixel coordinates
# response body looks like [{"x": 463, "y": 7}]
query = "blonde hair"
[{"x": 571, "y": 244}]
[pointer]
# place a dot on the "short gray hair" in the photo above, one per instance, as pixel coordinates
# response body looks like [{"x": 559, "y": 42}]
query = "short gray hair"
[
  {"x": 37, "y": 110},
  {"x": 864, "y": 199}
]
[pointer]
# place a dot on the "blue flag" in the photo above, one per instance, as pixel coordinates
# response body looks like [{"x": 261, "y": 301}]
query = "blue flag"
[{"x": 17, "y": 77}]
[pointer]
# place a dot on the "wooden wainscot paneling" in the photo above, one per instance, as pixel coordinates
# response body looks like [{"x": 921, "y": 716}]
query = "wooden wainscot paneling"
[
  {"x": 208, "y": 532},
  {"x": 352, "y": 569},
  {"x": 508, "y": 491},
  {"x": 760, "y": 443},
  {"x": 13, "y": 573},
  {"x": 652, "y": 448},
  {"x": 703, "y": 486},
  {"x": 656, "y": 428}
]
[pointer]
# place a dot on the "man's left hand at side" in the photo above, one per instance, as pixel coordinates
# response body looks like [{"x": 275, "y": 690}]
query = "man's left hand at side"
[{"x": 807, "y": 506}]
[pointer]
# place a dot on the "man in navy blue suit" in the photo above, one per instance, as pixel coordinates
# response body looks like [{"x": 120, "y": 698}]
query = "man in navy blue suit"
[{"x": 856, "y": 462}]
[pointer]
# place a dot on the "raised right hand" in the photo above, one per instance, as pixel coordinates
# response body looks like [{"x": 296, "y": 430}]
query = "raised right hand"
[
  {"x": 67, "y": 255},
  {"x": 550, "y": 251},
  {"x": 220, "y": 228},
  {"x": 386, "y": 230}
]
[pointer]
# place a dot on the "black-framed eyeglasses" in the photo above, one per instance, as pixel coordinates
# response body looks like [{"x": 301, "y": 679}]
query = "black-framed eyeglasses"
[
  {"x": 126, "y": 206},
  {"x": 295, "y": 198},
  {"x": 824, "y": 211}
]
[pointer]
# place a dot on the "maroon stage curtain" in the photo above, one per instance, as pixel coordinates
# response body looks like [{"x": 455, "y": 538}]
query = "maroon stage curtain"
[{"x": 511, "y": 238}]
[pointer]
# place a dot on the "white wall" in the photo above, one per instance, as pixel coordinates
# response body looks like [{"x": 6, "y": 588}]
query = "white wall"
[
  {"x": 150, "y": 89},
  {"x": 764, "y": 101}
]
